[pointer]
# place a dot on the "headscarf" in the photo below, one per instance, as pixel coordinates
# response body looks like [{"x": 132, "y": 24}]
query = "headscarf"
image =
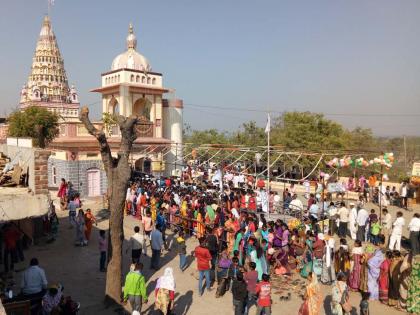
[
  {"x": 329, "y": 246},
  {"x": 167, "y": 281},
  {"x": 210, "y": 212}
]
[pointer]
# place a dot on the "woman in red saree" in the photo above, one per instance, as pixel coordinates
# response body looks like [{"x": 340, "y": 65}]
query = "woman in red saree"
[
  {"x": 384, "y": 278},
  {"x": 62, "y": 191},
  {"x": 356, "y": 266},
  {"x": 89, "y": 220},
  {"x": 62, "y": 194}
]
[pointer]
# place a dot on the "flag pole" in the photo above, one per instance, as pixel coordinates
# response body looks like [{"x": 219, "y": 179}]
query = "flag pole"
[{"x": 268, "y": 129}]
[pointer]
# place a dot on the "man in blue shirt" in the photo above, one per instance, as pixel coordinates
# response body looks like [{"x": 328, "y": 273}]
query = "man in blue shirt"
[
  {"x": 34, "y": 281},
  {"x": 156, "y": 243}
]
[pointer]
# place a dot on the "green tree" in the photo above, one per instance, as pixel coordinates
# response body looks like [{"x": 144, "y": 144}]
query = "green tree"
[
  {"x": 34, "y": 122},
  {"x": 360, "y": 139},
  {"x": 250, "y": 135},
  {"x": 210, "y": 136},
  {"x": 308, "y": 131}
]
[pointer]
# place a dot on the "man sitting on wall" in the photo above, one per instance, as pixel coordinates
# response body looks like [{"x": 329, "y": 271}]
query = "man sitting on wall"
[{"x": 34, "y": 282}]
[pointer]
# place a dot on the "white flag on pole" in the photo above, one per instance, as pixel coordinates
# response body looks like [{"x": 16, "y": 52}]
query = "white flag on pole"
[{"x": 268, "y": 126}]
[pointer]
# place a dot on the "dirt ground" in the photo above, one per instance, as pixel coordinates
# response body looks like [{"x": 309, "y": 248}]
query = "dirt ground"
[{"x": 77, "y": 268}]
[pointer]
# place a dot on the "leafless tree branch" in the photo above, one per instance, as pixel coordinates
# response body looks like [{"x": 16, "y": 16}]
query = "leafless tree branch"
[{"x": 99, "y": 135}]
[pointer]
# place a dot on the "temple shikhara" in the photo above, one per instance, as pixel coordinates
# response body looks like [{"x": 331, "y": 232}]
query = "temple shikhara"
[
  {"x": 47, "y": 84},
  {"x": 130, "y": 87}
]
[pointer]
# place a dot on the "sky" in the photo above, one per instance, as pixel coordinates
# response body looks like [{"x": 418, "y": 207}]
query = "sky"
[{"x": 358, "y": 61}]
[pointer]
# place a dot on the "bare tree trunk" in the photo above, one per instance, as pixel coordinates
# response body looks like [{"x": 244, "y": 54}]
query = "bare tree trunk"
[{"x": 118, "y": 174}]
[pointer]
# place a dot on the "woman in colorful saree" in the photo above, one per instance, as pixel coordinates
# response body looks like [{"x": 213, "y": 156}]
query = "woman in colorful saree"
[
  {"x": 356, "y": 266},
  {"x": 165, "y": 292},
  {"x": 231, "y": 227},
  {"x": 339, "y": 293},
  {"x": 405, "y": 272},
  {"x": 307, "y": 257},
  {"x": 200, "y": 223},
  {"x": 313, "y": 297}
]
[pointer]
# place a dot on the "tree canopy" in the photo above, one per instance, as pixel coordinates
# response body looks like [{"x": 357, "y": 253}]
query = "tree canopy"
[
  {"x": 34, "y": 122},
  {"x": 292, "y": 130}
]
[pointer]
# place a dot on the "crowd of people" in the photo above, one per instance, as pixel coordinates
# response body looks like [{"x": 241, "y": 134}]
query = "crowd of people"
[{"x": 240, "y": 249}]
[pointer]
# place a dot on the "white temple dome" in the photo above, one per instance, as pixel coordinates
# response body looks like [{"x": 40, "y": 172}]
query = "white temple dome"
[{"x": 131, "y": 59}]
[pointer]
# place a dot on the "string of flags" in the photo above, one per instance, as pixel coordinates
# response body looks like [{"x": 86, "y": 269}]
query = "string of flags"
[{"x": 386, "y": 159}]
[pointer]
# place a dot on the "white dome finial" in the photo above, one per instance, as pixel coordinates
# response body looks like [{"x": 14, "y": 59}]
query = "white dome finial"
[
  {"x": 131, "y": 59},
  {"x": 131, "y": 38}
]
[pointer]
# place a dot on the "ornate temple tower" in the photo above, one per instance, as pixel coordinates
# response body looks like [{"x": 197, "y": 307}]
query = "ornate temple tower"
[{"x": 47, "y": 84}]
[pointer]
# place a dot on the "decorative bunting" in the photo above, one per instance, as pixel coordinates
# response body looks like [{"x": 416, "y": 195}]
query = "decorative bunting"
[{"x": 386, "y": 159}]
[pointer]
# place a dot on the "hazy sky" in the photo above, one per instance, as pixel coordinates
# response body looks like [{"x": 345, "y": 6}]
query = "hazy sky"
[{"x": 336, "y": 57}]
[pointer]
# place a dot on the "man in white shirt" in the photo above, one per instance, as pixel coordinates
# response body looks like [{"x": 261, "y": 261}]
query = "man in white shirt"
[
  {"x": 296, "y": 206},
  {"x": 276, "y": 202},
  {"x": 397, "y": 228},
  {"x": 332, "y": 214},
  {"x": 362, "y": 217},
  {"x": 262, "y": 200},
  {"x": 235, "y": 213},
  {"x": 137, "y": 244},
  {"x": 414, "y": 227},
  {"x": 235, "y": 181},
  {"x": 403, "y": 194},
  {"x": 313, "y": 210},
  {"x": 386, "y": 225},
  {"x": 343, "y": 214},
  {"x": 353, "y": 221}
]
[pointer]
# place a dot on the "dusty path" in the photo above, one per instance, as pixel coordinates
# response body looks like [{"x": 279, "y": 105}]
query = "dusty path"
[{"x": 77, "y": 269}]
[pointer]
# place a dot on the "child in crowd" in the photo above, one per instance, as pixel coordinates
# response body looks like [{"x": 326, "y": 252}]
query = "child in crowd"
[
  {"x": 263, "y": 290},
  {"x": 181, "y": 248},
  {"x": 375, "y": 229},
  {"x": 364, "y": 304}
]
